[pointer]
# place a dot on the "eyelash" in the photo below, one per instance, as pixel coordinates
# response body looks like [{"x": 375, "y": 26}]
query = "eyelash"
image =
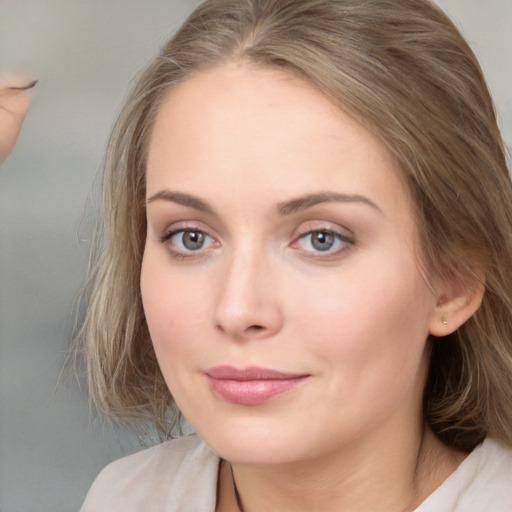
[
  {"x": 338, "y": 238},
  {"x": 180, "y": 253}
]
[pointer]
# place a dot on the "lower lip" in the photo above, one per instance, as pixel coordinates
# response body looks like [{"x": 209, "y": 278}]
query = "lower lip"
[{"x": 252, "y": 392}]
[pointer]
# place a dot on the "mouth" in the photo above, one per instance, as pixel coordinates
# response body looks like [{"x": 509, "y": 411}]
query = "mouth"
[{"x": 252, "y": 385}]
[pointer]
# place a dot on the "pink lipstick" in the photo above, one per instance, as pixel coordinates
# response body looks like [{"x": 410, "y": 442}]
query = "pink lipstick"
[{"x": 252, "y": 385}]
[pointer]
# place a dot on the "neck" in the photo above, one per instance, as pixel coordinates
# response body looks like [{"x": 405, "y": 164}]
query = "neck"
[{"x": 376, "y": 477}]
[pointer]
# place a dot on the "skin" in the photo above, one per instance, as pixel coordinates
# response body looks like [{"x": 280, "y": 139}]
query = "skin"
[
  {"x": 243, "y": 142},
  {"x": 14, "y": 104}
]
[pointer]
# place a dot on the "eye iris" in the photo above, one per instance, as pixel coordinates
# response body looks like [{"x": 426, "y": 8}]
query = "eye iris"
[
  {"x": 322, "y": 241},
  {"x": 193, "y": 240}
]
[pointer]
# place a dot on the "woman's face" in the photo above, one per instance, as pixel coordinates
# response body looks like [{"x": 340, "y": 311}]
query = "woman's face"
[{"x": 280, "y": 279}]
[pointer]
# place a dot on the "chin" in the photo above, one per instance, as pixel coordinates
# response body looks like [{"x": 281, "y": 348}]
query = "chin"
[{"x": 253, "y": 442}]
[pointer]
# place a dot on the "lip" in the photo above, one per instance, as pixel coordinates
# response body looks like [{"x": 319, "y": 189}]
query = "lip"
[{"x": 252, "y": 385}]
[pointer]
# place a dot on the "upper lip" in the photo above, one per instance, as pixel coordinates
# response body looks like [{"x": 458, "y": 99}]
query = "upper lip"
[{"x": 250, "y": 373}]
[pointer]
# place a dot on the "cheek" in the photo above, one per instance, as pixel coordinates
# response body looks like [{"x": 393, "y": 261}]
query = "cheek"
[
  {"x": 374, "y": 324},
  {"x": 175, "y": 311},
  {"x": 368, "y": 337}
]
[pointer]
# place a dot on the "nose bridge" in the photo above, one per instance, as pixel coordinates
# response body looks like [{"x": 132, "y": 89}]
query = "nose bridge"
[{"x": 248, "y": 304}]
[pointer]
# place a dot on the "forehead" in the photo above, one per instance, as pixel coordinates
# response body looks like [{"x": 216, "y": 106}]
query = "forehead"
[{"x": 246, "y": 127}]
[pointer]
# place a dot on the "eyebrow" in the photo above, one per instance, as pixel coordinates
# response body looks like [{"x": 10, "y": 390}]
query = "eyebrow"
[
  {"x": 296, "y": 205},
  {"x": 308, "y": 201},
  {"x": 183, "y": 199}
]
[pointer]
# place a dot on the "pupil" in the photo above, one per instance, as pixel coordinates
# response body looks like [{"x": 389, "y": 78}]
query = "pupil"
[
  {"x": 193, "y": 240},
  {"x": 322, "y": 241}
]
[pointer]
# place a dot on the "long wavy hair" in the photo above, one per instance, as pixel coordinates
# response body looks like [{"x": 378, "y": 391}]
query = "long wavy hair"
[{"x": 402, "y": 69}]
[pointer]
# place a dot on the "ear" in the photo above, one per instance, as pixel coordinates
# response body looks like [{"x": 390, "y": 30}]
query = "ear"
[{"x": 457, "y": 303}]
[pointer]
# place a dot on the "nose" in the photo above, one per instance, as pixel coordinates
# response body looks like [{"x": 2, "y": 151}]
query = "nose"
[{"x": 248, "y": 304}]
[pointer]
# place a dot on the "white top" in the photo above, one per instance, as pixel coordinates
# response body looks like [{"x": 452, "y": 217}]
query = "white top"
[{"x": 181, "y": 476}]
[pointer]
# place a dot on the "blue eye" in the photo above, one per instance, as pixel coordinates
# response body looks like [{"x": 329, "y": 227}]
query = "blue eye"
[
  {"x": 188, "y": 240},
  {"x": 326, "y": 241}
]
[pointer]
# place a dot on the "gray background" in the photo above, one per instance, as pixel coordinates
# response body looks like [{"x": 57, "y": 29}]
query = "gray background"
[{"x": 84, "y": 54}]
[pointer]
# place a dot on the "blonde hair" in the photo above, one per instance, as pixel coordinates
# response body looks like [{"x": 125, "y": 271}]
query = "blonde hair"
[{"x": 402, "y": 69}]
